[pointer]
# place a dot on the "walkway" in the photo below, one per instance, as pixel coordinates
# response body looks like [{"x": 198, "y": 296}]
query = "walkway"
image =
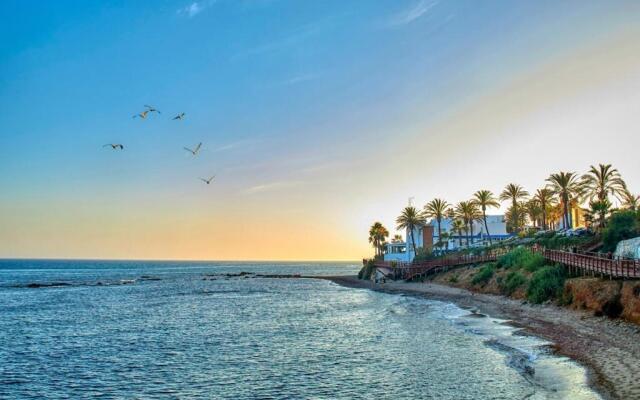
[{"x": 585, "y": 263}]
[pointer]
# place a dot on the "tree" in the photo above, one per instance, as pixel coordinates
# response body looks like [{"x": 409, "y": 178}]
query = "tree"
[
  {"x": 598, "y": 210},
  {"x": 409, "y": 219},
  {"x": 397, "y": 239},
  {"x": 516, "y": 217},
  {"x": 514, "y": 193},
  {"x": 534, "y": 211},
  {"x": 566, "y": 186},
  {"x": 377, "y": 235},
  {"x": 629, "y": 200},
  {"x": 545, "y": 198},
  {"x": 437, "y": 209},
  {"x": 457, "y": 226},
  {"x": 622, "y": 225},
  {"x": 485, "y": 199},
  {"x": 600, "y": 182},
  {"x": 468, "y": 212}
]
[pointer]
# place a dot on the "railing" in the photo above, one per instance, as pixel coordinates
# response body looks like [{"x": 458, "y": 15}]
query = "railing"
[
  {"x": 594, "y": 263},
  {"x": 406, "y": 270}
]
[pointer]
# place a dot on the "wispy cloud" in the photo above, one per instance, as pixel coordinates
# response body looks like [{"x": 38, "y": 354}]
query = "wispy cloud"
[
  {"x": 235, "y": 145},
  {"x": 416, "y": 11},
  {"x": 267, "y": 187},
  {"x": 195, "y": 8}
]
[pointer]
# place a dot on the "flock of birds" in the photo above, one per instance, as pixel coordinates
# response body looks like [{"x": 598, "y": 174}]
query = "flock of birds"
[{"x": 143, "y": 115}]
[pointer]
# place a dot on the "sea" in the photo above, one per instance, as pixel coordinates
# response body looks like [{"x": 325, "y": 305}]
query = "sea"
[{"x": 242, "y": 330}]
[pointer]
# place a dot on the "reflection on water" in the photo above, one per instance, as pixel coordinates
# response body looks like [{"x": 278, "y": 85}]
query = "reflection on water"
[{"x": 163, "y": 330}]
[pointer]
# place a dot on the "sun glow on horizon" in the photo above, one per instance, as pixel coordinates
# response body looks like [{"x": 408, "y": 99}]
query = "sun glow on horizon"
[{"x": 315, "y": 127}]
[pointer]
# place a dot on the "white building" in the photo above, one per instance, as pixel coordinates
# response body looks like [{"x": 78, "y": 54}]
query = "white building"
[{"x": 427, "y": 237}]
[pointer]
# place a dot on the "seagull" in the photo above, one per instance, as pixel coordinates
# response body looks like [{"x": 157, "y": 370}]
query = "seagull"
[
  {"x": 179, "y": 116},
  {"x": 207, "y": 181},
  {"x": 142, "y": 115},
  {"x": 114, "y": 146},
  {"x": 152, "y": 109},
  {"x": 194, "y": 151}
]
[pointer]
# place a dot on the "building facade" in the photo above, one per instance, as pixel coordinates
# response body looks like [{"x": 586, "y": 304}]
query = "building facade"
[{"x": 426, "y": 237}]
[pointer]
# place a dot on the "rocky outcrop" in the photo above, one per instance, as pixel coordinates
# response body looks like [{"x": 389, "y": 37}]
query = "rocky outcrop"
[
  {"x": 597, "y": 295},
  {"x": 630, "y": 299}
]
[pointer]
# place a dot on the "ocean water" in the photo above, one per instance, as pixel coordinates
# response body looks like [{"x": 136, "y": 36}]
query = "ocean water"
[{"x": 163, "y": 330}]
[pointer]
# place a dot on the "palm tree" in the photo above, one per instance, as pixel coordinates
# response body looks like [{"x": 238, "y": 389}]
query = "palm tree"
[
  {"x": 534, "y": 210},
  {"x": 545, "y": 198},
  {"x": 514, "y": 192},
  {"x": 599, "y": 209},
  {"x": 567, "y": 187},
  {"x": 629, "y": 200},
  {"x": 397, "y": 239},
  {"x": 485, "y": 199},
  {"x": 409, "y": 219},
  {"x": 601, "y": 182},
  {"x": 457, "y": 226},
  {"x": 436, "y": 208},
  {"x": 377, "y": 235},
  {"x": 516, "y": 217},
  {"x": 468, "y": 212}
]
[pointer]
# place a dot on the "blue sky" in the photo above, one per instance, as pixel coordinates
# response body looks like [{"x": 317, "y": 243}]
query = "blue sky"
[{"x": 293, "y": 100}]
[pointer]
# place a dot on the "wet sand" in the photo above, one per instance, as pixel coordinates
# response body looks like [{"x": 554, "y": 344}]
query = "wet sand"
[{"x": 608, "y": 348}]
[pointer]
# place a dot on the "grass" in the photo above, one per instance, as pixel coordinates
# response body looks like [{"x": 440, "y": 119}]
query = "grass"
[{"x": 545, "y": 284}]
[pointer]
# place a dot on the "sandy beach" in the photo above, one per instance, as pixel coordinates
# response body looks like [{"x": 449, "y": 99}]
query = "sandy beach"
[{"x": 608, "y": 348}]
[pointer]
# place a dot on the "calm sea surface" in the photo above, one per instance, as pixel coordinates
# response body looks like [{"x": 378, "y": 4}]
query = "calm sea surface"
[{"x": 157, "y": 330}]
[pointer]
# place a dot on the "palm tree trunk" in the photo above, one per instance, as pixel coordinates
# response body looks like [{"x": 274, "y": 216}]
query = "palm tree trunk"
[
  {"x": 466, "y": 228},
  {"x": 471, "y": 229},
  {"x": 486, "y": 227},
  {"x": 439, "y": 231},
  {"x": 566, "y": 213},
  {"x": 413, "y": 243}
]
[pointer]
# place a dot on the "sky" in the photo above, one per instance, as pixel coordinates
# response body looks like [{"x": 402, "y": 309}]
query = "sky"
[{"x": 317, "y": 117}]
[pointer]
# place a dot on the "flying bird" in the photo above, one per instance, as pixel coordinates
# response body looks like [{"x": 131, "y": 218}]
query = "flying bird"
[
  {"x": 114, "y": 146},
  {"x": 152, "y": 109},
  {"x": 179, "y": 116},
  {"x": 142, "y": 115},
  {"x": 194, "y": 151},
  {"x": 207, "y": 181}
]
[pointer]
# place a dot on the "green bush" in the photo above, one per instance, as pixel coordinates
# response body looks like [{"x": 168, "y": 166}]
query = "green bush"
[
  {"x": 521, "y": 257},
  {"x": 366, "y": 270},
  {"x": 423, "y": 254},
  {"x": 484, "y": 274},
  {"x": 511, "y": 282},
  {"x": 545, "y": 284},
  {"x": 622, "y": 225},
  {"x": 453, "y": 279}
]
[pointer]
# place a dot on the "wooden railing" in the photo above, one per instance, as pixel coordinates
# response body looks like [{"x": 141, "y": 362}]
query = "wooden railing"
[
  {"x": 406, "y": 270},
  {"x": 594, "y": 263},
  {"x": 576, "y": 262}
]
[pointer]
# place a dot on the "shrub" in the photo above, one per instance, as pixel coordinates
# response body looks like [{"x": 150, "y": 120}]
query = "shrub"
[
  {"x": 622, "y": 225},
  {"x": 521, "y": 257},
  {"x": 366, "y": 270},
  {"x": 511, "y": 282},
  {"x": 484, "y": 274},
  {"x": 545, "y": 284},
  {"x": 453, "y": 279},
  {"x": 423, "y": 254}
]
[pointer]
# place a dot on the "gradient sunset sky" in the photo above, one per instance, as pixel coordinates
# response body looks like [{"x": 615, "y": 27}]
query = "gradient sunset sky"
[{"x": 318, "y": 117}]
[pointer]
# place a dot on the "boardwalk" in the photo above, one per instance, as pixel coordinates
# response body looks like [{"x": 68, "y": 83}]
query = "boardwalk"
[{"x": 585, "y": 263}]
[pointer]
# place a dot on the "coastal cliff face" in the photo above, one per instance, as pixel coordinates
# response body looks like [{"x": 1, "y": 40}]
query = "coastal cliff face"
[{"x": 603, "y": 297}]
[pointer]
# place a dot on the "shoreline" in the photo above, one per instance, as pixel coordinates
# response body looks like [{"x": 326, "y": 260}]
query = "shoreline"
[{"x": 609, "y": 349}]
